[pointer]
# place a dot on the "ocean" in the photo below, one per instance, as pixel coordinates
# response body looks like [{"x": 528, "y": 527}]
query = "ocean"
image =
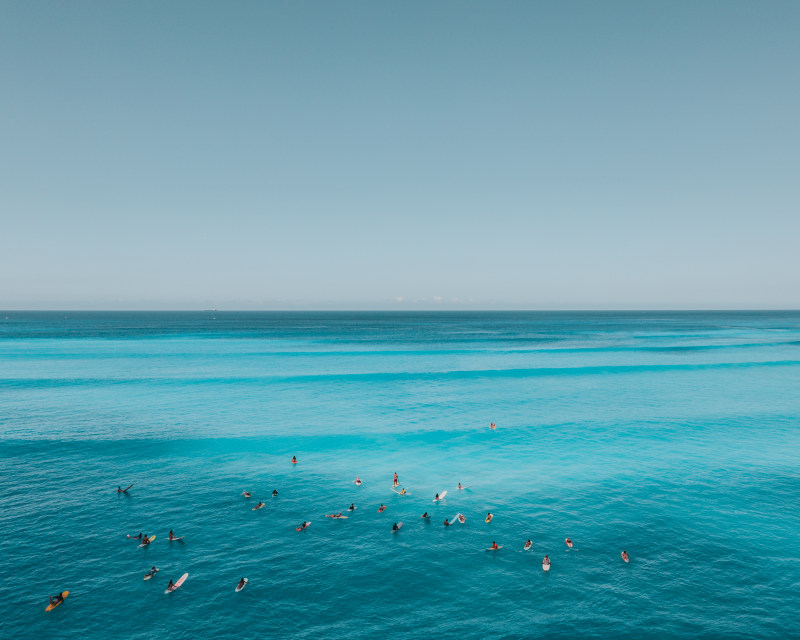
[{"x": 672, "y": 435}]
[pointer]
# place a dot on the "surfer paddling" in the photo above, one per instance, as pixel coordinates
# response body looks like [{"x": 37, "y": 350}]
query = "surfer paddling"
[
  {"x": 382, "y": 508},
  {"x": 246, "y": 494},
  {"x": 241, "y": 584},
  {"x": 335, "y": 515},
  {"x": 125, "y": 490},
  {"x": 624, "y": 556},
  {"x": 358, "y": 482},
  {"x": 56, "y": 600},
  {"x": 153, "y": 571},
  {"x": 568, "y": 542},
  {"x": 528, "y": 545}
]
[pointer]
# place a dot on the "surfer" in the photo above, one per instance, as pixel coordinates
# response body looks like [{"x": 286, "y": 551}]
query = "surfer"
[
  {"x": 357, "y": 481},
  {"x": 352, "y": 507},
  {"x": 493, "y": 426},
  {"x": 395, "y": 527},
  {"x": 246, "y": 494},
  {"x": 437, "y": 497},
  {"x": 528, "y": 545},
  {"x": 395, "y": 480},
  {"x": 125, "y": 490},
  {"x": 153, "y": 571},
  {"x": 171, "y": 585},
  {"x": 241, "y": 584},
  {"x": 381, "y": 508},
  {"x": 259, "y": 505},
  {"x": 568, "y": 542},
  {"x": 145, "y": 540},
  {"x": 334, "y": 515},
  {"x": 459, "y": 486},
  {"x": 274, "y": 493},
  {"x": 302, "y": 526},
  {"x": 624, "y": 555},
  {"x": 403, "y": 491},
  {"x": 56, "y": 600},
  {"x": 494, "y": 545},
  {"x": 172, "y": 536},
  {"x": 139, "y": 537},
  {"x": 425, "y": 515},
  {"x": 489, "y": 517},
  {"x": 294, "y": 459},
  {"x": 546, "y": 562}
]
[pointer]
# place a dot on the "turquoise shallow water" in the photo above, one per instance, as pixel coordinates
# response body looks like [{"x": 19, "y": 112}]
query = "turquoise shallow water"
[{"x": 675, "y": 436}]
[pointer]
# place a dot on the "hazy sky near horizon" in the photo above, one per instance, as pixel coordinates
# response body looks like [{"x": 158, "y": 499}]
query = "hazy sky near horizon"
[{"x": 263, "y": 155}]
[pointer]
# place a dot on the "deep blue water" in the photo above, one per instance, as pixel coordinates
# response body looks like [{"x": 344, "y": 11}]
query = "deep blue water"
[{"x": 675, "y": 436}]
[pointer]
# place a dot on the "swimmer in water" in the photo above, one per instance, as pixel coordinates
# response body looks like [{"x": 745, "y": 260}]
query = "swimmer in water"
[
  {"x": 568, "y": 542},
  {"x": 624, "y": 556},
  {"x": 274, "y": 493},
  {"x": 139, "y": 537},
  {"x": 446, "y": 522},
  {"x": 294, "y": 459},
  {"x": 381, "y": 508},
  {"x": 493, "y": 426}
]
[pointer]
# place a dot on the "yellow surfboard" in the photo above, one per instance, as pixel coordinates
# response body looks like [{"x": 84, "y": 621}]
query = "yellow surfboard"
[{"x": 64, "y": 595}]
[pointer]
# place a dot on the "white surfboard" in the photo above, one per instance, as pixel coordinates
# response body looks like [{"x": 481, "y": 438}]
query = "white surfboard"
[
  {"x": 462, "y": 488},
  {"x": 180, "y": 581},
  {"x": 238, "y": 588},
  {"x": 499, "y": 546},
  {"x": 441, "y": 495},
  {"x": 546, "y": 567}
]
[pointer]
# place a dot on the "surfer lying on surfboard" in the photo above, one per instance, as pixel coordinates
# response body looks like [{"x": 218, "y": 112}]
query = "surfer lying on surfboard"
[
  {"x": 358, "y": 481},
  {"x": 381, "y": 508},
  {"x": 125, "y": 490},
  {"x": 624, "y": 556},
  {"x": 568, "y": 542},
  {"x": 335, "y": 515}
]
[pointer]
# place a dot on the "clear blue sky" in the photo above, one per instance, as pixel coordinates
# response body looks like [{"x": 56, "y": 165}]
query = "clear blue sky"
[{"x": 254, "y": 155}]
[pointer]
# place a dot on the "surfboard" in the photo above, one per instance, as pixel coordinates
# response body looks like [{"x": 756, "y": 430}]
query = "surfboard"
[
  {"x": 148, "y": 575},
  {"x": 175, "y": 539},
  {"x": 527, "y": 546},
  {"x": 151, "y": 538},
  {"x": 399, "y": 524},
  {"x": 500, "y": 546},
  {"x": 238, "y": 588},
  {"x": 303, "y": 526},
  {"x": 462, "y": 488},
  {"x": 180, "y": 581},
  {"x": 353, "y": 509},
  {"x": 546, "y": 567},
  {"x": 625, "y": 559},
  {"x": 441, "y": 495},
  {"x": 64, "y": 595},
  {"x": 489, "y": 518}
]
